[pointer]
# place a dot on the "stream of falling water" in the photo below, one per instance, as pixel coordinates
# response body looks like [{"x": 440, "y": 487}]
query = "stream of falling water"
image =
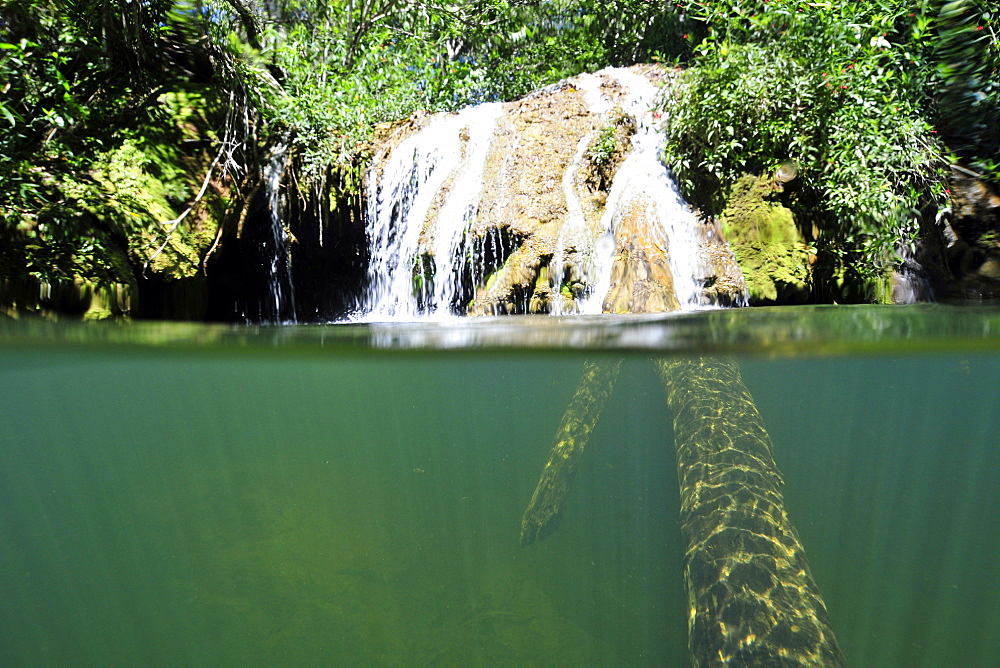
[
  {"x": 575, "y": 231},
  {"x": 442, "y": 167},
  {"x": 279, "y": 273},
  {"x": 460, "y": 209},
  {"x": 910, "y": 284},
  {"x": 643, "y": 179},
  {"x": 400, "y": 197}
]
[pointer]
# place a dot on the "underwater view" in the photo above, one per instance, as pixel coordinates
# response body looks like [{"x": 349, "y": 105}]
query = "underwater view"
[{"x": 177, "y": 494}]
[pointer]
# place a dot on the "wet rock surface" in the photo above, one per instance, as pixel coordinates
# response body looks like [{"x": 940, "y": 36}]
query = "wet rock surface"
[
  {"x": 972, "y": 236},
  {"x": 566, "y": 198}
]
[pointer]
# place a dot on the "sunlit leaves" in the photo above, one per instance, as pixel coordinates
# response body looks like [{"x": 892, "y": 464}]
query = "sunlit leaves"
[
  {"x": 349, "y": 65},
  {"x": 885, "y": 83}
]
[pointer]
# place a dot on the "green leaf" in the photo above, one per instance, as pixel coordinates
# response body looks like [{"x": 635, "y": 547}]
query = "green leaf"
[{"x": 11, "y": 118}]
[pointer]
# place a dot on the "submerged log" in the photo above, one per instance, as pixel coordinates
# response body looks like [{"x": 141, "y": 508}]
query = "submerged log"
[
  {"x": 578, "y": 422},
  {"x": 641, "y": 283},
  {"x": 751, "y": 597},
  {"x": 752, "y": 600}
]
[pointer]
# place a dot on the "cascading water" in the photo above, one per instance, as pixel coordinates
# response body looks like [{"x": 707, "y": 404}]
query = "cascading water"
[
  {"x": 461, "y": 206},
  {"x": 575, "y": 231},
  {"x": 910, "y": 283},
  {"x": 642, "y": 180},
  {"x": 279, "y": 302},
  {"x": 427, "y": 234},
  {"x": 401, "y": 193}
]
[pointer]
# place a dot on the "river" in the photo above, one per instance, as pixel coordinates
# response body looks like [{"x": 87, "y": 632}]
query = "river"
[{"x": 175, "y": 494}]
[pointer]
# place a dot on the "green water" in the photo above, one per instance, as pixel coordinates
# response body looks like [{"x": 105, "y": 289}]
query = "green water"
[{"x": 352, "y": 496}]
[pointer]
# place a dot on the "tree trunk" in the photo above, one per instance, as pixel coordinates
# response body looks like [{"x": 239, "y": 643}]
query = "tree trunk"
[
  {"x": 751, "y": 599},
  {"x": 574, "y": 431}
]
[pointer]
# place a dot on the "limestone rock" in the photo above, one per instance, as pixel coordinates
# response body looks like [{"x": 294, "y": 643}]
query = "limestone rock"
[
  {"x": 641, "y": 281},
  {"x": 510, "y": 211}
]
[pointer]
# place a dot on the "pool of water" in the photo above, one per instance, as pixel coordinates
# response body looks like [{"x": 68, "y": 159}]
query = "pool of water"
[{"x": 176, "y": 494}]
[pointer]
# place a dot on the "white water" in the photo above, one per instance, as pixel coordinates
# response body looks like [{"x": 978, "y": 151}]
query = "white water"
[
  {"x": 642, "y": 179},
  {"x": 462, "y": 205},
  {"x": 401, "y": 196},
  {"x": 404, "y": 185},
  {"x": 279, "y": 275},
  {"x": 910, "y": 284},
  {"x": 575, "y": 232}
]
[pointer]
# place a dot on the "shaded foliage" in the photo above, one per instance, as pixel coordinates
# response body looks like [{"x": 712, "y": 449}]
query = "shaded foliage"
[{"x": 119, "y": 114}]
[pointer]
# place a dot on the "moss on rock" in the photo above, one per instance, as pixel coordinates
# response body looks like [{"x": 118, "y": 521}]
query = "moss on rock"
[
  {"x": 98, "y": 221},
  {"x": 775, "y": 259}
]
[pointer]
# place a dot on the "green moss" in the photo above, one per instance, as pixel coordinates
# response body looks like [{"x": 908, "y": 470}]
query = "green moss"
[
  {"x": 95, "y": 218},
  {"x": 124, "y": 174},
  {"x": 140, "y": 180},
  {"x": 491, "y": 280},
  {"x": 542, "y": 295},
  {"x": 774, "y": 257}
]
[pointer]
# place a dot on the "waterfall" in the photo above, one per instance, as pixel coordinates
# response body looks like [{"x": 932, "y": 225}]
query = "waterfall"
[
  {"x": 401, "y": 189},
  {"x": 462, "y": 205},
  {"x": 642, "y": 180},
  {"x": 575, "y": 231},
  {"x": 279, "y": 304},
  {"x": 910, "y": 283},
  {"x": 431, "y": 247}
]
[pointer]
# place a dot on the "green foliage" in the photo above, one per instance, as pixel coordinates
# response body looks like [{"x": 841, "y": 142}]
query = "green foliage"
[
  {"x": 608, "y": 149},
  {"x": 967, "y": 55},
  {"x": 872, "y": 100},
  {"x": 96, "y": 153},
  {"x": 535, "y": 43},
  {"x": 739, "y": 111},
  {"x": 605, "y": 146},
  {"x": 117, "y": 116},
  {"x": 348, "y": 68}
]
